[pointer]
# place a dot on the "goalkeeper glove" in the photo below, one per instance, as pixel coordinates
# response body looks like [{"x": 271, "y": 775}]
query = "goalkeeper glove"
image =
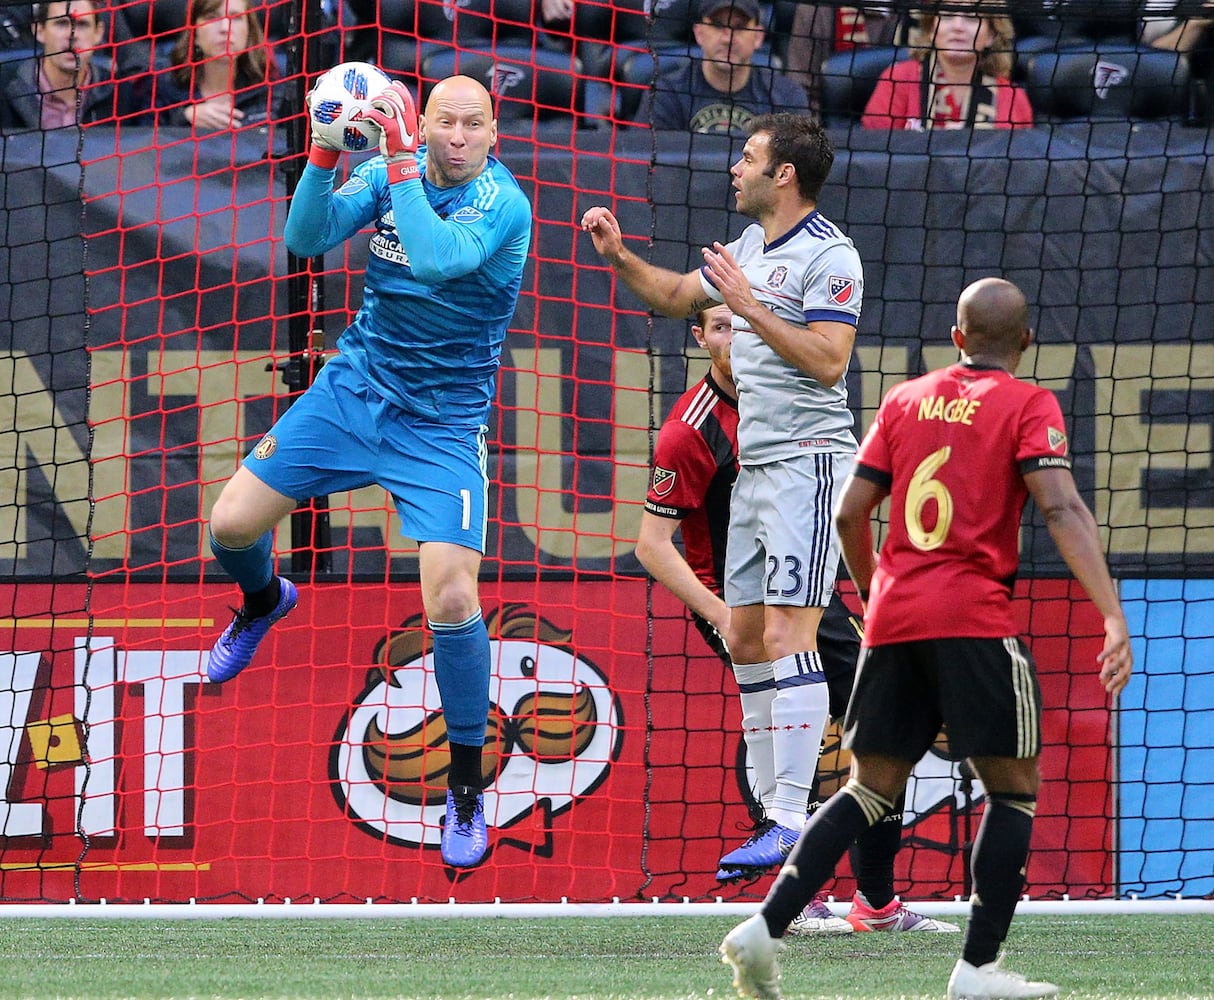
[
  {"x": 321, "y": 152},
  {"x": 396, "y": 115}
]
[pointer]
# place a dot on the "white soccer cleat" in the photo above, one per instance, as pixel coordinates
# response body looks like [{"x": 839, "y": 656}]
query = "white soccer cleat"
[
  {"x": 754, "y": 956},
  {"x": 993, "y": 982},
  {"x": 817, "y": 918},
  {"x": 893, "y": 917}
]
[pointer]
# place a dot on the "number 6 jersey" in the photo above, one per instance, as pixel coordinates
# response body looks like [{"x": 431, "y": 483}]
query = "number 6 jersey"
[{"x": 953, "y": 447}]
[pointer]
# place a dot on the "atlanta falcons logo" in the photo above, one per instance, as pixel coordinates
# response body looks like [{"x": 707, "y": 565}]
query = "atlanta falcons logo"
[{"x": 1106, "y": 75}]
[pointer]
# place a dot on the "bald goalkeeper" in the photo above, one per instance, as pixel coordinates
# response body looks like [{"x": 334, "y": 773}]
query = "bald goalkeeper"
[{"x": 405, "y": 403}]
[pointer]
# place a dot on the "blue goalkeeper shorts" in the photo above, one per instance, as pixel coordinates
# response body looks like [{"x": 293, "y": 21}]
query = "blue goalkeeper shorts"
[{"x": 341, "y": 434}]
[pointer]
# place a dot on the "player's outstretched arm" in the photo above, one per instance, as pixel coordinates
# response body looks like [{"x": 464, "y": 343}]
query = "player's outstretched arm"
[
  {"x": 662, "y": 290},
  {"x": 656, "y": 551},
  {"x": 1074, "y": 531}
]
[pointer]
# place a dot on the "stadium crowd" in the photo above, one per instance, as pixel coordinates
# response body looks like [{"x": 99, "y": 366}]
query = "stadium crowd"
[{"x": 703, "y": 65}]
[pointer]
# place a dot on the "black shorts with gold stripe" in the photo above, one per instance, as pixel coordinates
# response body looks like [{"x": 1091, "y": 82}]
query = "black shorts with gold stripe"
[{"x": 982, "y": 692}]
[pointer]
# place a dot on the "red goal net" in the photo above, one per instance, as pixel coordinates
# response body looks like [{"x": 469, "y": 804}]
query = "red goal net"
[{"x": 154, "y": 326}]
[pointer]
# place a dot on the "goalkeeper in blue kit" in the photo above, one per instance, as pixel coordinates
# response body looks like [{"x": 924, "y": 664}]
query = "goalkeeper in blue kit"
[{"x": 405, "y": 402}]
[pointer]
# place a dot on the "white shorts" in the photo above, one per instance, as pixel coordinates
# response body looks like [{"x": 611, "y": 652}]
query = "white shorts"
[{"x": 782, "y": 546}]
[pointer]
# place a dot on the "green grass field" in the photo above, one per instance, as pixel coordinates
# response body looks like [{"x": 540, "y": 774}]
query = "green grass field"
[{"x": 620, "y": 957}]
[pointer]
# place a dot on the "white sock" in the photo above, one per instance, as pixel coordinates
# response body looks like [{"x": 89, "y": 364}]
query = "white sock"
[
  {"x": 798, "y": 718},
  {"x": 757, "y": 687}
]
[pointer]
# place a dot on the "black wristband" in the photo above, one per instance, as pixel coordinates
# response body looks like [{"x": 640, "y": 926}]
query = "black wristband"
[{"x": 716, "y": 642}]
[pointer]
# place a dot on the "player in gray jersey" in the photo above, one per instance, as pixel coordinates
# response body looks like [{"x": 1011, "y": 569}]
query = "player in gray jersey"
[
  {"x": 794, "y": 283},
  {"x": 811, "y": 274}
]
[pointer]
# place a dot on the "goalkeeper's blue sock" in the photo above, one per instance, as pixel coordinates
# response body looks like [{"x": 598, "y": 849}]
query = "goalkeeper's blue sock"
[
  {"x": 461, "y": 667},
  {"x": 253, "y": 570},
  {"x": 1001, "y": 851}
]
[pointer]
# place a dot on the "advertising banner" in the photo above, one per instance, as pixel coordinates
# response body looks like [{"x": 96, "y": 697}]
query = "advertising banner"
[{"x": 320, "y": 771}]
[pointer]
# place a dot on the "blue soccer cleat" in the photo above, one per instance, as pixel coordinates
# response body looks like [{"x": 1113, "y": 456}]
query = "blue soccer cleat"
[
  {"x": 234, "y": 650},
  {"x": 465, "y": 836},
  {"x": 733, "y": 875},
  {"x": 769, "y": 845}
]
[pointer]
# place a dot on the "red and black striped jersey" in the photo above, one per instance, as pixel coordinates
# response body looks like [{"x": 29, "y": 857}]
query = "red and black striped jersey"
[{"x": 695, "y": 465}]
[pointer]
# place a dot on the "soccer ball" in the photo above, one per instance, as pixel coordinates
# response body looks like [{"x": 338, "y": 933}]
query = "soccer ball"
[{"x": 339, "y": 102}]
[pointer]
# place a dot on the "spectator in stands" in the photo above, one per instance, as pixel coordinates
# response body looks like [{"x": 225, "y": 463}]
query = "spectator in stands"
[
  {"x": 221, "y": 76},
  {"x": 958, "y": 76},
  {"x": 65, "y": 84},
  {"x": 555, "y": 14},
  {"x": 721, "y": 92},
  {"x": 1192, "y": 37},
  {"x": 821, "y": 30}
]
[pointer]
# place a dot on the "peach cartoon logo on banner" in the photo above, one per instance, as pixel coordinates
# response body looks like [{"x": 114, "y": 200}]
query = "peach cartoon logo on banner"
[{"x": 552, "y": 735}]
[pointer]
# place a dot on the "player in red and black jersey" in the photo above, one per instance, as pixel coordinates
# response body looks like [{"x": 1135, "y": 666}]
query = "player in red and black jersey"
[
  {"x": 958, "y": 452},
  {"x": 695, "y": 465}
]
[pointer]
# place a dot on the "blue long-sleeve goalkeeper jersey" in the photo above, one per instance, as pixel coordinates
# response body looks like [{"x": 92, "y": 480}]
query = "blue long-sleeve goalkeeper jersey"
[{"x": 443, "y": 275}]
